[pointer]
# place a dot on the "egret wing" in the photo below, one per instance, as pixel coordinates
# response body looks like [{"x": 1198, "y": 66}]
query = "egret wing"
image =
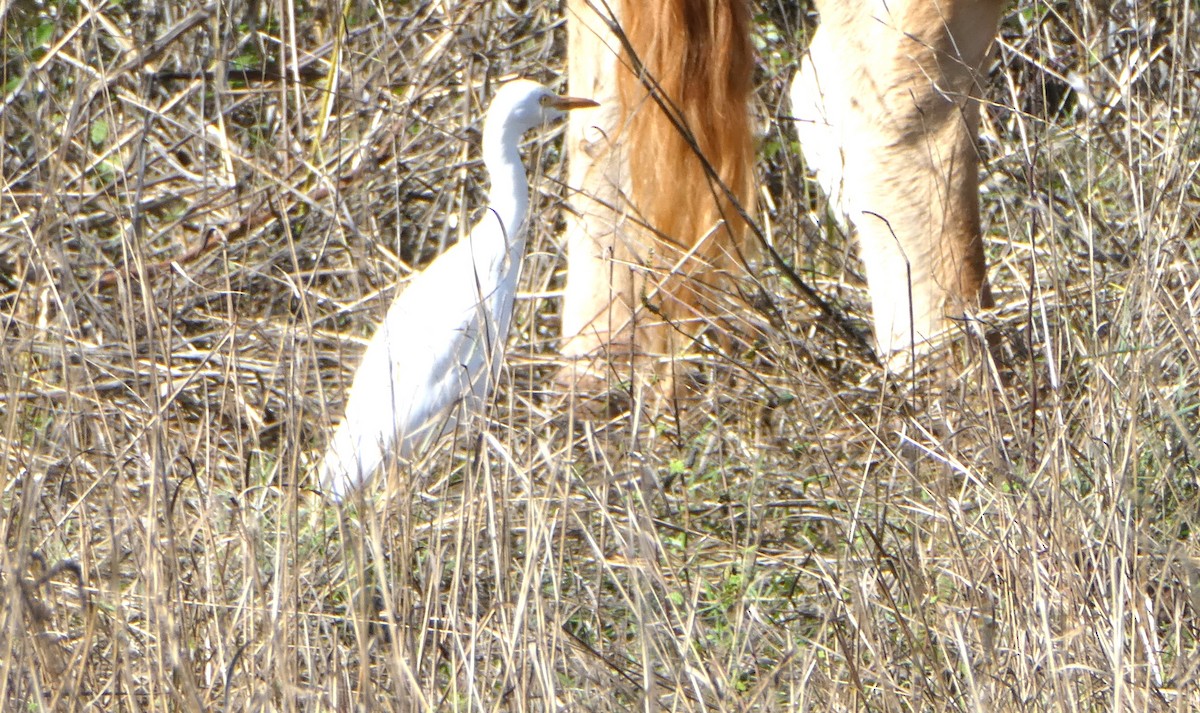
[{"x": 431, "y": 352}]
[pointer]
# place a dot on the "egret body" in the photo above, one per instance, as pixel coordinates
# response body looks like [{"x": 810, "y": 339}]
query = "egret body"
[{"x": 440, "y": 346}]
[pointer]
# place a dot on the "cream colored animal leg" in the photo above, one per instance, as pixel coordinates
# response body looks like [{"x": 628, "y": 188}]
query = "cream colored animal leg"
[
  {"x": 603, "y": 282},
  {"x": 654, "y": 234},
  {"x": 887, "y": 118}
]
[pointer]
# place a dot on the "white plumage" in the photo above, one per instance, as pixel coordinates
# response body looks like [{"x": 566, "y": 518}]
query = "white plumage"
[{"x": 440, "y": 346}]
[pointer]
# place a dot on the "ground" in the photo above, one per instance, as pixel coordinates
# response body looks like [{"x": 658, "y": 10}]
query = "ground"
[{"x": 206, "y": 207}]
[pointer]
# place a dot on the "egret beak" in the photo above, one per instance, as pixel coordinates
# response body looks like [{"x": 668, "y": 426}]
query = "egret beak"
[{"x": 569, "y": 103}]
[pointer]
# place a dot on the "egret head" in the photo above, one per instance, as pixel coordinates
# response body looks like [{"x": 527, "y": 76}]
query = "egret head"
[{"x": 522, "y": 104}]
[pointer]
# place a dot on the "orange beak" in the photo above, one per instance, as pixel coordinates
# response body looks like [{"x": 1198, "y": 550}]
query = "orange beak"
[{"x": 569, "y": 103}]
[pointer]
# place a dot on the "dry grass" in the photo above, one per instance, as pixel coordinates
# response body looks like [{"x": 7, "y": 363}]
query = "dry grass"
[{"x": 804, "y": 536}]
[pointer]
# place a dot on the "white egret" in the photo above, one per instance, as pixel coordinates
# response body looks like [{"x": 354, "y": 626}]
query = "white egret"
[{"x": 440, "y": 346}]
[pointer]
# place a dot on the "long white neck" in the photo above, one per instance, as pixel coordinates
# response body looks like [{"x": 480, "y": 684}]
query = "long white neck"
[{"x": 508, "y": 196}]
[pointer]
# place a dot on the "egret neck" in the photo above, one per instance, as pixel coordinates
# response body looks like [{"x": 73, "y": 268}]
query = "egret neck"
[{"x": 508, "y": 195}]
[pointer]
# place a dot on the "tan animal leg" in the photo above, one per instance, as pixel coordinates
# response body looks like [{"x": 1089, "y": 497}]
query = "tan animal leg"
[
  {"x": 886, "y": 112},
  {"x": 650, "y": 228},
  {"x": 603, "y": 276}
]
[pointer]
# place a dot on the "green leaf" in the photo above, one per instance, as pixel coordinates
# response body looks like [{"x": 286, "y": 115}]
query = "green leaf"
[
  {"x": 43, "y": 33},
  {"x": 99, "y": 132}
]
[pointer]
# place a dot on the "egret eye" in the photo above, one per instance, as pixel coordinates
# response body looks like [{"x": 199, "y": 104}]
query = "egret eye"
[{"x": 544, "y": 100}]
